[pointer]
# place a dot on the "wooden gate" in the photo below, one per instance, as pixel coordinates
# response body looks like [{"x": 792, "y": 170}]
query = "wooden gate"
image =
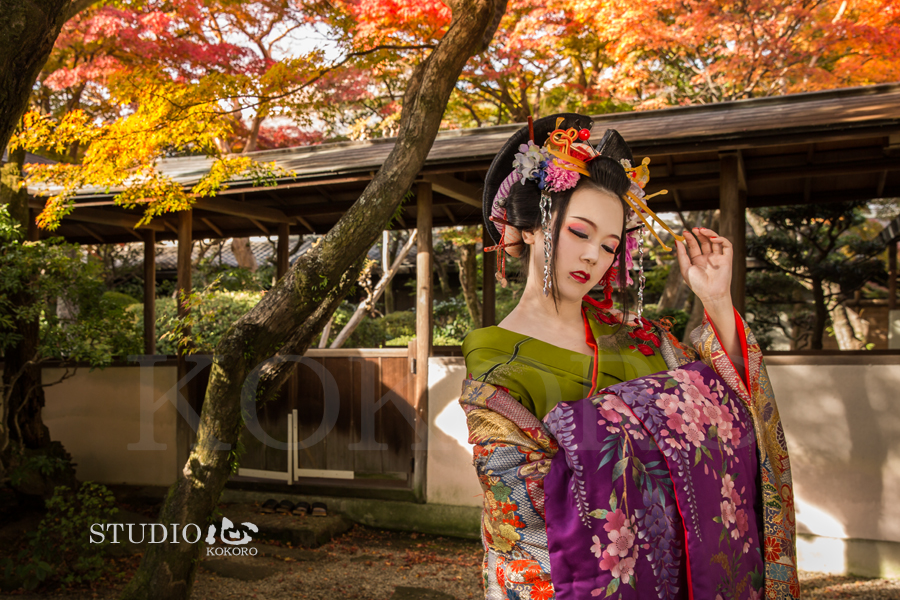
[{"x": 345, "y": 415}]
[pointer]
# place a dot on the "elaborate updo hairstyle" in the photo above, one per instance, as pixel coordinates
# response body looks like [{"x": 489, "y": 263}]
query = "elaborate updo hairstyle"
[{"x": 523, "y": 202}]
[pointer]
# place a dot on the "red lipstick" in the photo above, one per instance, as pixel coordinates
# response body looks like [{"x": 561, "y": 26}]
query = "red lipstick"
[{"x": 580, "y": 276}]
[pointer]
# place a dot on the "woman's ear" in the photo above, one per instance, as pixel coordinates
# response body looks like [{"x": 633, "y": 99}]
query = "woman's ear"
[{"x": 528, "y": 237}]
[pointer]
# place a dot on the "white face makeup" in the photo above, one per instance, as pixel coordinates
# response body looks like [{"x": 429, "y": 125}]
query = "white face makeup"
[{"x": 588, "y": 240}]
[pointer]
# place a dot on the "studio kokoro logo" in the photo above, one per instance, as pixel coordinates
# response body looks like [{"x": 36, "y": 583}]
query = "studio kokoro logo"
[
  {"x": 234, "y": 538},
  {"x": 231, "y": 536}
]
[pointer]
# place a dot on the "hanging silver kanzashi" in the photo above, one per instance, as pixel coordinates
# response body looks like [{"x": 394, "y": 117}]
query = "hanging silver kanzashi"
[
  {"x": 641, "y": 278},
  {"x": 545, "y": 229}
]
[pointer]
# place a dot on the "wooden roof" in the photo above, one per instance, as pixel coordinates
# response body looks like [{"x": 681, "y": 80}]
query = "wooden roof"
[{"x": 815, "y": 147}]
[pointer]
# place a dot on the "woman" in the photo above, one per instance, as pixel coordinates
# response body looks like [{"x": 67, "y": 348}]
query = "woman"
[{"x": 615, "y": 461}]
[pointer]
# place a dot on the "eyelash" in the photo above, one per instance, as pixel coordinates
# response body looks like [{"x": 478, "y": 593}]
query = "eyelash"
[{"x": 584, "y": 236}]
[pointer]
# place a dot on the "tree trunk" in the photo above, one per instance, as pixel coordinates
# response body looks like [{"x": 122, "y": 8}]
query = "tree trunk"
[
  {"x": 468, "y": 277},
  {"x": 29, "y": 31},
  {"x": 393, "y": 240},
  {"x": 441, "y": 267},
  {"x": 22, "y": 429},
  {"x": 284, "y": 323},
  {"x": 821, "y": 315},
  {"x": 850, "y": 330},
  {"x": 240, "y": 247}
]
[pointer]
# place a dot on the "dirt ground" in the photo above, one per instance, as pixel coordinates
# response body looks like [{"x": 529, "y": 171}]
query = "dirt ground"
[{"x": 362, "y": 563}]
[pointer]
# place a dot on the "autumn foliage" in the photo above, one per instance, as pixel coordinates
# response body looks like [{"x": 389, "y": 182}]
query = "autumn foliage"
[{"x": 136, "y": 81}]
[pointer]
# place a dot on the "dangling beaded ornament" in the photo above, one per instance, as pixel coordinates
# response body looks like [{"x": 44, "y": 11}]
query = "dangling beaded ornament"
[
  {"x": 545, "y": 229},
  {"x": 641, "y": 278}
]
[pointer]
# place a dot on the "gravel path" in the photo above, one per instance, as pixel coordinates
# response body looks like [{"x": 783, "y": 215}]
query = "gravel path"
[{"x": 370, "y": 564}]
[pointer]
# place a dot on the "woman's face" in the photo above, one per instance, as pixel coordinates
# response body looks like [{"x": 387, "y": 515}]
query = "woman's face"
[{"x": 588, "y": 240}]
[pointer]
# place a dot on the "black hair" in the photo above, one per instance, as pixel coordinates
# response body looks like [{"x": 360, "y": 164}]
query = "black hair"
[{"x": 606, "y": 175}]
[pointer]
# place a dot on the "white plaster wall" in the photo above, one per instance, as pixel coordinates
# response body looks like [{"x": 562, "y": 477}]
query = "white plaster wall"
[
  {"x": 842, "y": 425},
  {"x": 96, "y": 415},
  {"x": 451, "y": 477}
]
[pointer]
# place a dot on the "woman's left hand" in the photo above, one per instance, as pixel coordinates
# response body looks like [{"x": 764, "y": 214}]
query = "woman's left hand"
[{"x": 705, "y": 261}]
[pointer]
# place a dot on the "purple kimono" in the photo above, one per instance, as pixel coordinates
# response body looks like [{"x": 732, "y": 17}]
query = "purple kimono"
[
  {"x": 671, "y": 485},
  {"x": 635, "y": 459}
]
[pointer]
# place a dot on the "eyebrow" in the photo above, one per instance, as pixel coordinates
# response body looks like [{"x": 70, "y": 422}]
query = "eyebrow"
[{"x": 594, "y": 225}]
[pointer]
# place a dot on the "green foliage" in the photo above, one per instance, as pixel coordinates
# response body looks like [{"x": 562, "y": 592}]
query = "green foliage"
[
  {"x": 451, "y": 321},
  {"x": 816, "y": 242},
  {"x": 656, "y": 277},
  {"x": 813, "y": 253},
  {"x": 119, "y": 299},
  {"x": 778, "y": 304},
  {"x": 44, "y": 464},
  {"x": 60, "y": 549},
  {"x": 38, "y": 278},
  {"x": 212, "y": 313}
]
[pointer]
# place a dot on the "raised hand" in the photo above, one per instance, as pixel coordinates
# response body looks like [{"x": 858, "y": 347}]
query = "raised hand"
[{"x": 705, "y": 260}]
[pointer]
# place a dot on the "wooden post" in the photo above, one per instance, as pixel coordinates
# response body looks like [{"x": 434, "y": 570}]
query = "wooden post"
[
  {"x": 33, "y": 234},
  {"x": 184, "y": 436},
  {"x": 892, "y": 276},
  {"x": 284, "y": 241},
  {"x": 732, "y": 222},
  {"x": 149, "y": 291},
  {"x": 424, "y": 319},
  {"x": 488, "y": 283}
]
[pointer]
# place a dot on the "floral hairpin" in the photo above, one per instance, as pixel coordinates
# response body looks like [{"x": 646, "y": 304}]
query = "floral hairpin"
[{"x": 559, "y": 163}]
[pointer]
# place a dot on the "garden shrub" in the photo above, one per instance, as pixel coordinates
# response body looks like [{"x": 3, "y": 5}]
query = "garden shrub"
[
  {"x": 60, "y": 549},
  {"x": 212, "y": 313}
]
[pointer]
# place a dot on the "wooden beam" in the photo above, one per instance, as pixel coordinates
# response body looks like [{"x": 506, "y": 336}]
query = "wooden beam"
[
  {"x": 687, "y": 182},
  {"x": 259, "y": 226},
  {"x": 92, "y": 233},
  {"x": 305, "y": 223},
  {"x": 135, "y": 234},
  {"x": 210, "y": 224},
  {"x": 449, "y": 213},
  {"x": 170, "y": 227},
  {"x": 456, "y": 189},
  {"x": 281, "y": 258},
  {"x": 242, "y": 209},
  {"x": 732, "y": 223},
  {"x": 424, "y": 322},
  {"x": 488, "y": 283},
  {"x": 149, "y": 292},
  {"x": 301, "y": 184},
  {"x": 108, "y": 217}
]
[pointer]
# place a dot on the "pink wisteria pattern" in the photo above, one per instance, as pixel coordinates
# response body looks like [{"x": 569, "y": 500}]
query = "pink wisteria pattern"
[{"x": 670, "y": 469}]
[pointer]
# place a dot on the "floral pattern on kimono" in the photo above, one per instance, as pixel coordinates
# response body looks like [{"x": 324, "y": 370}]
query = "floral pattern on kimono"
[
  {"x": 514, "y": 450},
  {"x": 635, "y": 462}
]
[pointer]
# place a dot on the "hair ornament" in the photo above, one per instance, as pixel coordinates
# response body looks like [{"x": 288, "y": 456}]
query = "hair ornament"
[{"x": 635, "y": 197}]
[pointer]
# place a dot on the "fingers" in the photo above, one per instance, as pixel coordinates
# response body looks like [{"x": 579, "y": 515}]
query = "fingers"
[
  {"x": 703, "y": 239},
  {"x": 713, "y": 243},
  {"x": 684, "y": 262},
  {"x": 693, "y": 247}
]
